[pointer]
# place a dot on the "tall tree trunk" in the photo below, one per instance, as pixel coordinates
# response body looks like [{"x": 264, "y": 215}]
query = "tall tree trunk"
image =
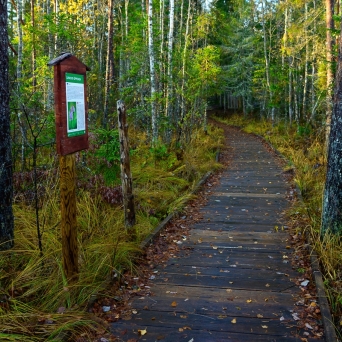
[
  {"x": 152, "y": 73},
  {"x": 6, "y": 183},
  {"x": 33, "y": 56},
  {"x": 56, "y": 9},
  {"x": 332, "y": 198},
  {"x": 169, "y": 62},
  {"x": 267, "y": 61},
  {"x": 329, "y": 8},
  {"x": 109, "y": 79},
  {"x": 51, "y": 56},
  {"x": 19, "y": 78},
  {"x": 290, "y": 92},
  {"x": 186, "y": 41},
  {"x": 306, "y": 72}
]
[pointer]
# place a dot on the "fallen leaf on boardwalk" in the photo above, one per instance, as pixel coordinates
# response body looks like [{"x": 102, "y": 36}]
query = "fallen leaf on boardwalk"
[
  {"x": 304, "y": 283},
  {"x": 134, "y": 311},
  {"x": 264, "y": 326},
  {"x": 199, "y": 240},
  {"x": 214, "y": 247},
  {"x": 308, "y": 326},
  {"x": 267, "y": 285},
  {"x": 174, "y": 304},
  {"x": 222, "y": 316},
  {"x": 180, "y": 329},
  {"x": 281, "y": 318},
  {"x": 183, "y": 316},
  {"x": 249, "y": 301},
  {"x": 260, "y": 316},
  {"x": 142, "y": 332},
  {"x": 295, "y": 316},
  {"x": 229, "y": 290},
  {"x": 313, "y": 304},
  {"x": 233, "y": 320}
]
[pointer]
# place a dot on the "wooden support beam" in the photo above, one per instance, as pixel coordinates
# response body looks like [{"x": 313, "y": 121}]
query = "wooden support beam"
[{"x": 68, "y": 211}]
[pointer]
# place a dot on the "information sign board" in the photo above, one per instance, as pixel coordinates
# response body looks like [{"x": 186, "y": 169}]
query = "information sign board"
[{"x": 75, "y": 104}]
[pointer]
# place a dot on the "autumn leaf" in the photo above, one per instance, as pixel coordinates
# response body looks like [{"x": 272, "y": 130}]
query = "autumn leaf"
[
  {"x": 233, "y": 320},
  {"x": 264, "y": 326},
  {"x": 249, "y": 301},
  {"x": 260, "y": 316},
  {"x": 174, "y": 304},
  {"x": 142, "y": 332}
]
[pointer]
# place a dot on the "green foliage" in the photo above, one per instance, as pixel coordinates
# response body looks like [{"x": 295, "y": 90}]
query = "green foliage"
[{"x": 105, "y": 155}]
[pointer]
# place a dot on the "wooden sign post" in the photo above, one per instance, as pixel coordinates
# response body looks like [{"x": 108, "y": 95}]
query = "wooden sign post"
[
  {"x": 71, "y": 112},
  {"x": 125, "y": 166}
]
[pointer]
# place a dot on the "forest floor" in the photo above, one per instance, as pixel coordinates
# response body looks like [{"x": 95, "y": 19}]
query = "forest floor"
[{"x": 230, "y": 268}]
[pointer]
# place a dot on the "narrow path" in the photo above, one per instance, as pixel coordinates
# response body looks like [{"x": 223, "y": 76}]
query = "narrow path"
[{"x": 232, "y": 280}]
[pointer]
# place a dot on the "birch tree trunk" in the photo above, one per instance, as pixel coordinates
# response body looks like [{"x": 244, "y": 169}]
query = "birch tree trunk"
[
  {"x": 33, "y": 56},
  {"x": 266, "y": 57},
  {"x": 109, "y": 79},
  {"x": 306, "y": 72},
  {"x": 152, "y": 73},
  {"x": 6, "y": 185},
  {"x": 329, "y": 8},
  {"x": 186, "y": 40},
  {"x": 169, "y": 93}
]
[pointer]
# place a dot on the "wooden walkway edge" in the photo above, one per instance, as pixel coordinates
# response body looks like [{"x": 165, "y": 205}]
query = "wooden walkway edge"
[{"x": 232, "y": 279}]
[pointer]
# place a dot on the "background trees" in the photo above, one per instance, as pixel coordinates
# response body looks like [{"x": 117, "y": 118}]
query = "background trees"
[{"x": 6, "y": 213}]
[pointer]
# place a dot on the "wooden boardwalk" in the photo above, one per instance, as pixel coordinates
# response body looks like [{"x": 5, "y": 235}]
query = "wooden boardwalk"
[{"x": 233, "y": 281}]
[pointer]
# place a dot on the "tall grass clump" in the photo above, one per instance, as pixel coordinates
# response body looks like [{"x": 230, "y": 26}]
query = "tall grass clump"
[
  {"x": 304, "y": 149},
  {"x": 37, "y": 303}
]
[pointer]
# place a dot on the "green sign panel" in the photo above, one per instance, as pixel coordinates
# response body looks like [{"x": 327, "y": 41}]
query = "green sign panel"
[{"x": 76, "y": 124}]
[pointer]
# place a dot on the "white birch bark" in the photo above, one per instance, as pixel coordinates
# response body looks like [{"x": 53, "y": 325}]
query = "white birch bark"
[
  {"x": 186, "y": 40},
  {"x": 266, "y": 57},
  {"x": 306, "y": 72},
  {"x": 152, "y": 73},
  {"x": 169, "y": 60}
]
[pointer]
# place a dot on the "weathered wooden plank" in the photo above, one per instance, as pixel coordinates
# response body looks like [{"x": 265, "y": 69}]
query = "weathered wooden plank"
[
  {"x": 272, "y": 284},
  {"x": 125, "y": 332},
  {"x": 220, "y": 306},
  {"x": 220, "y": 323},
  {"x": 214, "y": 293}
]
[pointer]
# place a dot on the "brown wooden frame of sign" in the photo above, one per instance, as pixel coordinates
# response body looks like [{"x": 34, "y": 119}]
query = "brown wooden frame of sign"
[{"x": 67, "y": 63}]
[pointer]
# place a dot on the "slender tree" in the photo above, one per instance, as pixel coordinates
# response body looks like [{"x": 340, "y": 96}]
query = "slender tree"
[
  {"x": 6, "y": 187},
  {"x": 152, "y": 73},
  {"x": 109, "y": 62},
  {"x": 329, "y": 8},
  {"x": 332, "y": 198}
]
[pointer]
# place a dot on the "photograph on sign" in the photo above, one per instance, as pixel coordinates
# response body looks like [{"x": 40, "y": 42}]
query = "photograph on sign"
[{"x": 75, "y": 104}]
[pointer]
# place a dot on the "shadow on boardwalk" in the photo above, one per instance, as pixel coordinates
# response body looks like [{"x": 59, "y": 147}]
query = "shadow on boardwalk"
[{"x": 232, "y": 279}]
